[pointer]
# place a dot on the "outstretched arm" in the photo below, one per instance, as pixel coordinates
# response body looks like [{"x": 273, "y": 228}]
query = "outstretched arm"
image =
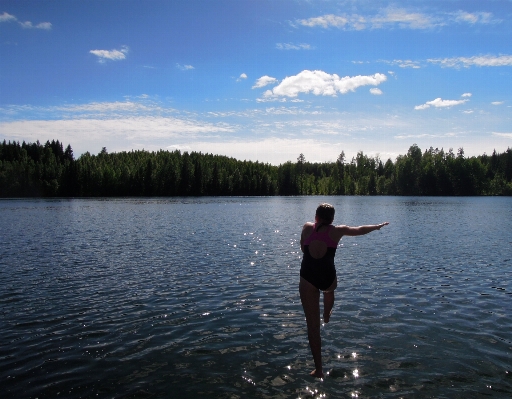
[{"x": 359, "y": 230}]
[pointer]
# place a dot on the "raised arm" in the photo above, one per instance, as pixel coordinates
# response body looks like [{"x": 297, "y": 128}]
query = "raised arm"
[{"x": 359, "y": 230}]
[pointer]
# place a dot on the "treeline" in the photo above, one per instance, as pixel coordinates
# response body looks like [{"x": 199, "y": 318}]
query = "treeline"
[{"x": 49, "y": 170}]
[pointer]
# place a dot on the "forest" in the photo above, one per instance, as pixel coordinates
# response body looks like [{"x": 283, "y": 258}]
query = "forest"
[{"x": 49, "y": 170}]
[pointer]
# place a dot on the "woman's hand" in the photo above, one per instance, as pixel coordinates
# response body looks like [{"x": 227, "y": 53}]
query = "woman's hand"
[{"x": 382, "y": 225}]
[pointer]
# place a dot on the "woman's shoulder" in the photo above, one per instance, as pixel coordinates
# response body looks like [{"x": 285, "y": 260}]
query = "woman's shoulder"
[
  {"x": 307, "y": 228},
  {"x": 338, "y": 231}
]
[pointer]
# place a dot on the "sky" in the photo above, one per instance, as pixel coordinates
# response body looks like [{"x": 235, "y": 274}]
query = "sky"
[{"x": 259, "y": 80}]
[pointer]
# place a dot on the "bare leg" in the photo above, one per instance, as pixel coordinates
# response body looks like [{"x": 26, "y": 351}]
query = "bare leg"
[
  {"x": 310, "y": 298},
  {"x": 328, "y": 304},
  {"x": 329, "y": 301}
]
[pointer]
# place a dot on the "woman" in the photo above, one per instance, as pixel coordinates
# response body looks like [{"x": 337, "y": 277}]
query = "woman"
[{"x": 318, "y": 242}]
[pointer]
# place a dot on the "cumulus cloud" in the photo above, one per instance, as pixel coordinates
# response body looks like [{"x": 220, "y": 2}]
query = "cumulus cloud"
[
  {"x": 466, "y": 62},
  {"x": 110, "y": 55},
  {"x": 497, "y": 102},
  {"x": 264, "y": 81},
  {"x": 440, "y": 103},
  {"x": 241, "y": 77},
  {"x": 376, "y": 91},
  {"x": 5, "y": 17},
  {"x": 466, "y": 95},
  {"x": 291, "y": 46},
  {"x": 322, "y": 83}
]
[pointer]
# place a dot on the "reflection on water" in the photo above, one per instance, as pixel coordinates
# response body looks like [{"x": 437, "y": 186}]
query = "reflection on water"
[{"x": 198, "y": 298}]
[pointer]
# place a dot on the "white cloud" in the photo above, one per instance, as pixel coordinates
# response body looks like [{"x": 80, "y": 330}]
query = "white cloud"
[
  {"x": 376, "y": 91},
  {"x": 497, "y": 102},
  {"x": 268, "y": 98},
  {"x": 112, "y": 55},
  {"x": 274, "y": 150},
  {"x": 387, "y": 18},
  {"x": 466, "y": 95},
  {"x": 423, "y": 106},
  {"x": 179, "y": 147},
  {"x": 407, "y": 64},
  {"x": 96, "y": 109},
  {"x": 325, "y": 21},
  {"x": 440, "y": 103},
  {"x": 275, "y": 134},
  {"x": 26, "y": 25},
  {"x": 184, "y": 67},
  {"x": 404, "y": 19},
  {"x": 481, "y": 61},
  {"x": 264, "y": 81},
  {"x": 42, "y": 25},
  {"x": 505, "y": 135},
  {"x": 322, "y": 83},
  {"x": 241, "y": 77},
  {"x": 116, "y": 134},
  {"x": 291, "y": 46},
  {"x": 423, "y": 136},
  {"x": 474, "y": 18},
  {"x": 396, "y": 17},
  {"x": 7, "y": 17}
]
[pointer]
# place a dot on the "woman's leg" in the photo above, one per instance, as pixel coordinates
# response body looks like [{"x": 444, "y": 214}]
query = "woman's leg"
[
  {"x": 310, "y": 298},
  {"x": 329, "y": 300}
]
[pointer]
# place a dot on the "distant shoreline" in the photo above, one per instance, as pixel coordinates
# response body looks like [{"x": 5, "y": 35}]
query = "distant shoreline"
[{"x": 35, "y": 170}]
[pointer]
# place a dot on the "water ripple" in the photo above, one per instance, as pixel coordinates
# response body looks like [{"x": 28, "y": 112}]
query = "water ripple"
[{"x": 198, "y": 298}]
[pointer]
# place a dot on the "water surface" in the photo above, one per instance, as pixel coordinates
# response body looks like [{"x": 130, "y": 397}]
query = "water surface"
[{"x": 198, "y": 298}]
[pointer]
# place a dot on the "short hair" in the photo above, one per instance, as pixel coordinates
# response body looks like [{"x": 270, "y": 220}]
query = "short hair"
[{"x": 325, "y": 212}]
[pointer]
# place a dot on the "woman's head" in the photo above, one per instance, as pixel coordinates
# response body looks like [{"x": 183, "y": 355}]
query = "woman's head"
[{"x": 325, "y": 213}]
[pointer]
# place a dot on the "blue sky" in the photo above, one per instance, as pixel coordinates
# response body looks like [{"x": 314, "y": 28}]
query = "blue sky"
[{"x": 258, "y": 80}]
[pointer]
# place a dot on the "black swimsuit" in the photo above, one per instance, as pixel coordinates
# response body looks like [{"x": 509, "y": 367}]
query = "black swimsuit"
[{"x": 319, "y": 272}]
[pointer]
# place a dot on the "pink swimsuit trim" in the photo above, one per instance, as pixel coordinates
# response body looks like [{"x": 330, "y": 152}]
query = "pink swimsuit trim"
[{"x": 324, "y": 236}]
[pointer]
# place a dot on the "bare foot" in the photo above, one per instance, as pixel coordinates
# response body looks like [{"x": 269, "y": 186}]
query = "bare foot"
[
  {"x": 327, "y": 317},
  {"x": 317, "y": 374}
]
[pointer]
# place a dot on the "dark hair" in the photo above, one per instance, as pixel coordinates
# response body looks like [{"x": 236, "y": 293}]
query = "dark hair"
[{"x": 325, "y": 212}]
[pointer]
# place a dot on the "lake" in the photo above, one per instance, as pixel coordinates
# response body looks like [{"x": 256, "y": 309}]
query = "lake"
[{"x": 198, "y": 298}]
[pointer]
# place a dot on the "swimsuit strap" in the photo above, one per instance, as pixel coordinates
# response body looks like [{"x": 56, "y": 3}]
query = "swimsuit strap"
[{"x": 321, "y": 236}]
